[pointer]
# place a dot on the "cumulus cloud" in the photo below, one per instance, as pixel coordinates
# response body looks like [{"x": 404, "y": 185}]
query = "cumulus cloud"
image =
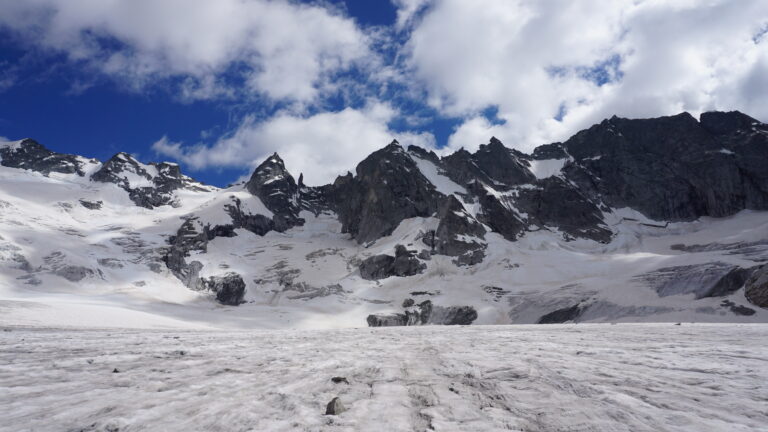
[
  {"x": 553, "y": 67},
  {"x": 320, "y": 146},
  {"x": 277, "y": 48},
  {"x": 548, "y": 67}
]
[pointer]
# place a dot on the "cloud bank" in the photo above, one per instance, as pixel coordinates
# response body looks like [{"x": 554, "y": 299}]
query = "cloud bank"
[{"x": 326, "y": 90}]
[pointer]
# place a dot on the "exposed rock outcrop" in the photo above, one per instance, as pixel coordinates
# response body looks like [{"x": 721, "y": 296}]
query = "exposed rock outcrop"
[
  {"x": 91, "y": 205},
  {"x": 458, "y": 234},
  {"x": 756, "y": 288},
  {"x": 425, "y": 313},
  {"x": 403, "y": 264},
  {"x": 674, "y": 168},
  {"x": 229, "y": 288}
]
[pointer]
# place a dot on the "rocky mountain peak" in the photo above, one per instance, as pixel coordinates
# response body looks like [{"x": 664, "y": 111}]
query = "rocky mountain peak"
[
  {"x": 501, "y": 165},
  {"x": 277, "y": 189},
  {"x": 148, "y": 185},
  {"x": 31, "y": 155},
  {"x": 271, "y": 172},
  {"x": 388, "y": 188},
  {"x": 722, "y": 123}
]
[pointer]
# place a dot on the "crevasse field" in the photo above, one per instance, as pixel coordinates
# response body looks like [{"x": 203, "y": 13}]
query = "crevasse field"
[{"x": 585, "y": 377}]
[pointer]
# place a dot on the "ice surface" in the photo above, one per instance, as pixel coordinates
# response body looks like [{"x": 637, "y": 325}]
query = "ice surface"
[{"x": 586, "y": 377}]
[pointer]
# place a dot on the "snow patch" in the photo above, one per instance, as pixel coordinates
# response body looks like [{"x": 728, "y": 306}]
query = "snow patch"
[{"x": 547, "y": 168}]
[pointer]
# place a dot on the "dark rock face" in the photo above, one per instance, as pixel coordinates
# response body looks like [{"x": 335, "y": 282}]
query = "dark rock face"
[
  {"x": 549, "y": 151},
  {"x": 257, "y": 224},
  {"x": 562, "y": 315},
  {"x": 674, "y": 168},
  {"x": 191, "y": 236},
  {"x": 229, "y": 289},
  {"x": 730, "y": 282},
  {"x": 187, "y": 238},
  {"x": 556, "y": 203},
  {"x": 377, "y": 267},
  {"x": 388, "y": 188},
  {"x": 31, "y": 155},
  {"x": 703, "y": 280},
  {"x": 498, "y": 211},
  {"x": 425, "y": 313},
  {"x": 756, "y": 288},
  {"x": 148, "y": 186},
  {"x": 502, "y": 165},
  {"x": 403, "y": 264},
  {"x": 458, "y": 234}
]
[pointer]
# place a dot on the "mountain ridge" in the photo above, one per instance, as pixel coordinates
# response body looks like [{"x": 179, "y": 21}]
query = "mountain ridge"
[{"x": 409, "y": 216}]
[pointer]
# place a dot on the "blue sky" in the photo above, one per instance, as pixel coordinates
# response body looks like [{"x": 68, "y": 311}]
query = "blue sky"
[{"x": 218, "y": 86}]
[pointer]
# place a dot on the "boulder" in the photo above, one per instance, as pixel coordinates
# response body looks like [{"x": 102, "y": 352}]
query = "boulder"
[
  {"x": 377, "y": 267},
  {"x": 403, "y": 264},
  {"x": 334, "y": 407},
  {"x": 229, "y": 288}
]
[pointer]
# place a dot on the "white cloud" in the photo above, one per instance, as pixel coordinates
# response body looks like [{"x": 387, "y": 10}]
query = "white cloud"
[
  {"x": 531, "y": 58},
  {"x": 281, "y": 49},
  {"x": 407, "y": 10},
  {"x": 321, "y": 146}
]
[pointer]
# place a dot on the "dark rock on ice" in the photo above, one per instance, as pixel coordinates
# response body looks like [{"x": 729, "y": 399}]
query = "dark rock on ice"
[
  {"x": 334, "y": 407},
  {"x": 340, "y": 380},
  {"x": 91, "y": 205}
]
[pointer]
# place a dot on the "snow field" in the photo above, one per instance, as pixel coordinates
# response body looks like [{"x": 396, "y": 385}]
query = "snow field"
[{"x": 586, "y": 377}]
